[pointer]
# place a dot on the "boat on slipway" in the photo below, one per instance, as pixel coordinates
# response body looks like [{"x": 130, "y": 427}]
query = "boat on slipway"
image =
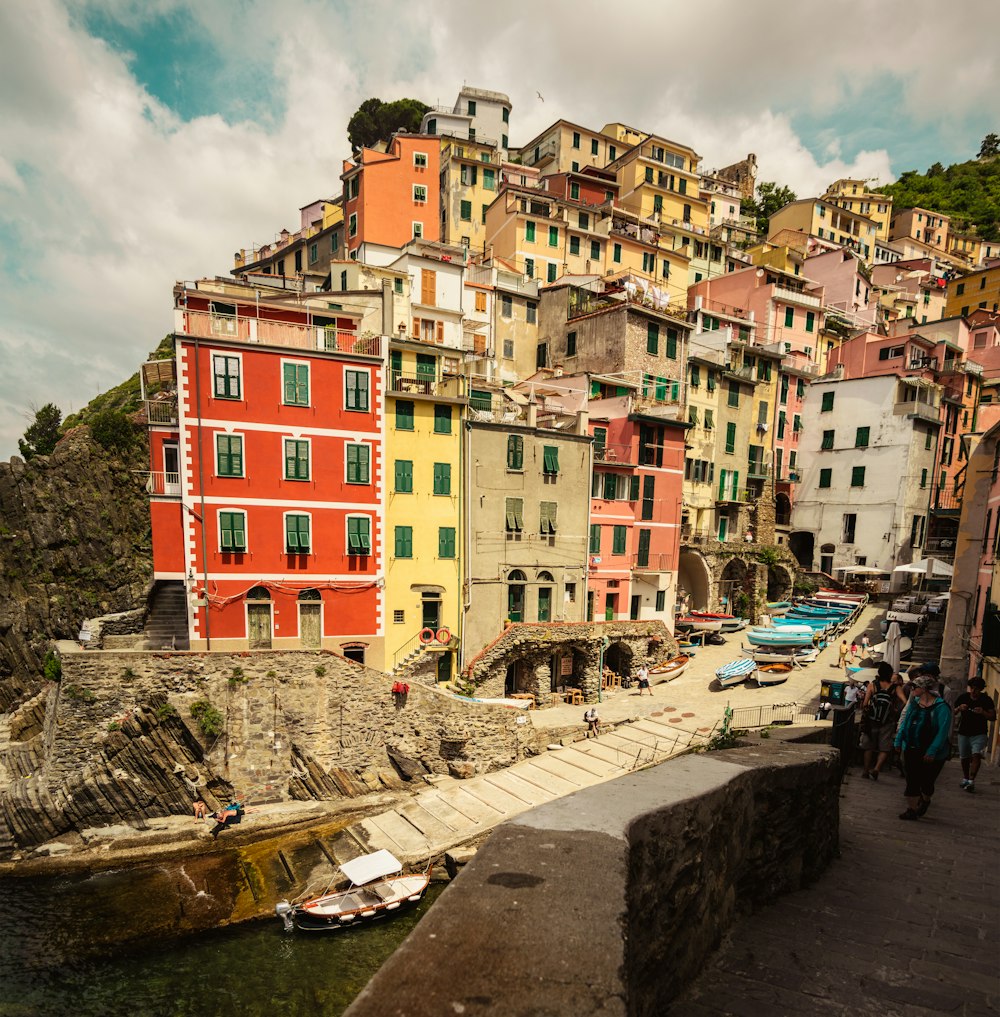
[
  {"x": 712, "y": 623},
  {"x": 730, "y": 622},
  {"x": 671, "y": 668},
  {"x": 378, "y": 889},
  {"x": 773, "y": 674},
  {"x": 736, "y": 672},
  {"x": 781, "y": 654}
]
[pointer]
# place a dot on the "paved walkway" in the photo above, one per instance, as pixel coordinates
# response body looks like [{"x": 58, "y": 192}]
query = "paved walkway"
[{"x": 905, "y": 924}]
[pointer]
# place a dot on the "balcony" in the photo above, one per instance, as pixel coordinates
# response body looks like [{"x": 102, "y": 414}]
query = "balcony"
[
  {"x": 920, "y": 410},
  {"x": 233, "y": 328},
  {"x": 696, "y": 537},
  {"x": 945, "y": 499},
  {"x": 614, "y": 455},
  {"x": 734, "y": 497},
  {"x": 795, "y": 297},
  {"x": 158, "y": 482},
  {"x": 161, "y": 411},
  {"x": 652, "y": 562},
  {"x": 758, "y": 471},
  {"x": 426, "y": 385}
]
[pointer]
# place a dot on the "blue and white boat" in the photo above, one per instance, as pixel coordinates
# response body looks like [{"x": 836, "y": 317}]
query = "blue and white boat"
[
  {"x": 778, "y": 637},
  {"x": 736, "y": 672}
]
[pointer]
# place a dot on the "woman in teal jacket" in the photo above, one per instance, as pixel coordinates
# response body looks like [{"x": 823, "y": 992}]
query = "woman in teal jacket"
[{"x": 923, "y": 736}]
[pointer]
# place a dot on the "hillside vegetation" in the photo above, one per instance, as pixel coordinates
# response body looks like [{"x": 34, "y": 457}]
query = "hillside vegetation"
[{"x": 969, "y": 192}]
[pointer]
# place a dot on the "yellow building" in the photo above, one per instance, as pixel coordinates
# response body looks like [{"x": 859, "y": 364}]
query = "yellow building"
[
  {"x": 854, "y": 196},
  {"x": 967, "y": 246},
  {"x": 976, "y": 290},
  {"x": 470, "y": 180},
  {"x": 568, "y": 148},
  {"x": 423, "y": 497},
  {"x": 820, "y": 218}
]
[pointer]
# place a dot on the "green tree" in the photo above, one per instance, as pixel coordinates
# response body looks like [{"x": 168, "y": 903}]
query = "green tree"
[
  {"x": 769, "y": 198},
  {"x": 375, "y": 120},
  {"x": 42, "y": 434},
  {"x": 113, "y": 430},
  {"x": 990, "y": 146}
]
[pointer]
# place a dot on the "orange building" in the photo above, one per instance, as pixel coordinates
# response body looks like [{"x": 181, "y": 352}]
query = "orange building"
[{"x": 392, "y": 196}]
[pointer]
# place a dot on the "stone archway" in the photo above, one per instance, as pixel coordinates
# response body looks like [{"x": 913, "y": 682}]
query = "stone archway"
[
  {"x": 618, "y": 657},
  {"x": 802, "y": 545},
  {"x": 779, "y": 582},
  {"x": 782, "y": 509},
  {"x": 695, "y": 578},
  {"x": 736, "y": 594}
]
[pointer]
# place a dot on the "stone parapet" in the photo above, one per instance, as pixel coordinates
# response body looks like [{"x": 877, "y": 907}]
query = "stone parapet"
[{"x": 610, "y": 900}]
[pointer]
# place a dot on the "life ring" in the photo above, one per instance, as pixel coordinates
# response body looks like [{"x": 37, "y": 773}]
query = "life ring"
[
  {"x": 443, "y": 635},
  {"x": 426, "y": 636}
]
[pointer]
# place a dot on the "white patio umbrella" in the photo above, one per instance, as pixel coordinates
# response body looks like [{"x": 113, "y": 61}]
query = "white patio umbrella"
[
  {"x": 892, "y": 637},
  {"x": 932, "y": 568}
]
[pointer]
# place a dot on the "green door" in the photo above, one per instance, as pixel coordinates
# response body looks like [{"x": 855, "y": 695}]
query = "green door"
[
  {"x": 723, "y": 527},
  {"x": 611, "y": 607},
  {"x": 545, "y": 603},
  {"x": 515, "y": 602}
]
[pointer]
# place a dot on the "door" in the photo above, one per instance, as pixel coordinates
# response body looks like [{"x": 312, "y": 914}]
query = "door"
[
  {"x": 633, "y": 612},
  {"x": 444, "y": 667},
  {"x": 171, "y": 470},
  {"x": 515, "y": 602},
  {"x": 611, "y": 607},
  {"x": 590, "y": 605},
  {"x": 430, "y": 617},
  {"x": 545, "y": 603},
  {"x": 259, "y": 626},
  {"x": 723, "y": 527},
  {"x": 309, "y": 626}
]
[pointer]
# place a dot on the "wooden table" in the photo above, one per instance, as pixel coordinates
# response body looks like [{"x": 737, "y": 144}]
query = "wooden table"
[
  {"x": 523, "y": 695},
  {"x": 573, "y": 696}
]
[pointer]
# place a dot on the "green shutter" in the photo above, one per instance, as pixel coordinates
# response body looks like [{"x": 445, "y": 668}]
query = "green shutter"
[
  {"x": 529, "y": 232},
  {"x": 513, "y": 510},
  {"x": 358, "y": 464},
  {"x": 595, "y": 538},
  {"x": 232, "y": 529},
  {"x": 442, "y": 420},
  {"x": 648, "y": 496},
  {"x": 810, "y": 321},
  {"x": 404, "y": 415},
  {"x": 296, "y": 460},
  {"x": 857, "y": 476},
  {"x": 781, "y": 423},
  {"x": 642, "y": 559},
  {"x": 466, "y": 211},
  {"x": 827, "y": 401},
  {"x": 734, "y": 394},
  {"x": 600, "y": 441},
  {"x": 356, "y": 384},
  {"x": 404, "y": 541},
  {"x": 226, "y": 377},
  {"x": 789, "y": 317},
  {"x": 229, "y": 455},
  {"x": 610, "y": 486},
  {"x": 619, "y": 540},
  {"x": 709, "y": 420},
  {"x": 404, "y": 476},
  {"x": 862, "y": 437},
  {"x": 446, "y": 541},
  {"x": 730, "y": 437},
  {"x": 442, "y": 478},
  {"x": 550, "y": 459},
  {"x": 515, "y": 452},
  {"x": 827, "y": 440},
  {"x": 547, "y": 517},
  {"x": 359, "y": 539},
  {"x": 633, "y": 487},
  {"x": 825, "y": 477},
  {"x": 553, "y": 236},
  {"x": 672, "y": 343},
  {"x": 574, "y": 245},
  {"x": 296, "y": 384},
  {"x": 653, "y": 338},
  {"x": 297, "y": 533}
]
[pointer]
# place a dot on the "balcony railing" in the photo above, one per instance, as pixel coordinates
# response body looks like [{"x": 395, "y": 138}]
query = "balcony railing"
[
  {"x": 658, "y": 561},
  {"x": 158, "y": 482},
  {"x": 911, "y": 407},
  {"x": 689, "y": 536},
  {"x": 795, "y": 297},
  {"x": 161, "y": 411},
  {"x": 758, "y": 471},
  {"x": 621, "y": 455},
  {"x": 428, "y": 385},
  {"x": 945, "y": 499},
  {"x": 208, "y": 325},
  {"x": 731, "y": 497}
]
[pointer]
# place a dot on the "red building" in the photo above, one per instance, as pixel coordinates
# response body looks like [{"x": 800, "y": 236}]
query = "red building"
[
  {"x": 635, "y": 513},
  {"x": 266, "y": 476}
]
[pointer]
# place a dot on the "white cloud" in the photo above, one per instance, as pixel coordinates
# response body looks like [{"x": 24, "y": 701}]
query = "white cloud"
[{"x": 107, "y": 196}]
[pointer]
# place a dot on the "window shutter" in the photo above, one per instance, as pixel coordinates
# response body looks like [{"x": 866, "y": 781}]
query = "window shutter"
[
  {"x": 672, "y": 343},
  {"x": 633, "y": 487},
  {"x": 446, "y": 542},
  {"x": 643, "y": 554},
  {"x": 709, "y": 420},
  {"x": 595, "y": 538},
  {"x": 550, "y": 459},
  {"x": 610, "y": 486},
  {"x": 518, "y": 509}
]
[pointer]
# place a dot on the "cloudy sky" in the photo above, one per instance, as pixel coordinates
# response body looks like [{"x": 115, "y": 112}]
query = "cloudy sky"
[{"x": 144, "y": 141}]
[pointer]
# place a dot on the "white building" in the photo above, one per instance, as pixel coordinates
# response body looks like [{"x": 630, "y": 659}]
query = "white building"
[
  {"x": 478, "y": 115},
  {"x": 866, "y": 466}
]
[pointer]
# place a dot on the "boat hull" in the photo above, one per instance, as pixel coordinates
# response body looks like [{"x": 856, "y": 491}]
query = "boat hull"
[
  {"x": 736, "y": 672},
  {"x": 776, "y": 654},
  {"x": 357, "y": 906},
  {"x": 670, "y": 669}
]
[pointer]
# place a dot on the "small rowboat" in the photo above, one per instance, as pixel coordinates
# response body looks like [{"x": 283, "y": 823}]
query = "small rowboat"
[
  {"x": 730, "y": 622},
  {"x": 780, "y": 655},
  {"x": 670, "y": 669},
  {"x": 699, "y": 624},
  {"x": 736, "y": 672},
  {"x": 777, "y": 607},
  {"x": 773, "y": 674}
]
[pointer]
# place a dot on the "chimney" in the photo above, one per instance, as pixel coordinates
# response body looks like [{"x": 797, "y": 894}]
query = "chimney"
[
  {"x": 531, "y": 413},
  {"x": 387, "y": 303},
  {"x": 582, "y": 420}
]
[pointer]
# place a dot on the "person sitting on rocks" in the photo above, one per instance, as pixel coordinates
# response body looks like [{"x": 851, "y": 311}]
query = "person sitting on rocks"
[
  {"x": 592, "y": 721},
  {"x": 200, "y": 808}
]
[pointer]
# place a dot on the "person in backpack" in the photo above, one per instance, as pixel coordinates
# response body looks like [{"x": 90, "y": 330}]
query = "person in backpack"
[
  {"x": 975, "y": 714},
  {"x": 878, "y": 724},
  {"x": 924, "y": 736}
]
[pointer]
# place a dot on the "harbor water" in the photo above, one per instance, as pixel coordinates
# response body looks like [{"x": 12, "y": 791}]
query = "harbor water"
[{"x": 55, "y": 959}]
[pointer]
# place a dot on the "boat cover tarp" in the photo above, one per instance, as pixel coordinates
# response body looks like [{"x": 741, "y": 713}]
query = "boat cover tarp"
[{"x": 368, "y": 867}]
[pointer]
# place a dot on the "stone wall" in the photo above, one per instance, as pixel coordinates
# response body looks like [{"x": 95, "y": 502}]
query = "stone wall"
[
  {"x": 611, "y": 899},
  {"x": 116, "y": 740}
]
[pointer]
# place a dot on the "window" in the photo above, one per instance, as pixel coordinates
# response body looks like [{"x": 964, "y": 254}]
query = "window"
[
  {"x": 420, "y": 193},
  {"x": 296, "y": 459},
  {"x": 827, "y": 440},
  {"x": 515, "y": 452},
  {"x": 616, "y": 254},
  {"x": 513, "y": 510},
  {"x": 532, "y": 312},
  {"x": 420, "y": 159},
  {"x": 529, "y": 267},
  {"x": 404, "y": 415},
  {"x": 593, "y": 146},
  {"x": 850, "y": 522},
  {"x": 226, "y": 377},
  {"x": 229, "y": 455},
  {"x": 789, "y": 317},
  {"x": 709, "y": 420},
  {"x": 782, "y": 421},
  {"x": 446, "y": 541},
  {"x": 442, "y": 420},
  {"x": 352, "y": 225},
  {"x": 827, "y": 404},
  {"x": 595, "y": 539},
  {"x": 481, "y": 302},
  {"x": 489, "y": 179},
  {"x": 619, "y": 538},
  {"x": 857, "y": 476},
  {"x": 550, "y": 459},
  {"x": 695, "y": 376},
  {"x": 796, "y": 423},
  {"x": 358, "y": 464},
  {"x": 442, "y": 478},
  {"x": 356, "y": 390},
  {"x": 232, "y": 532},
  {"x": 810, "y": 321},
  {"x": 313, "y": 253},
  {"x": 861, "y": 438},
  {"x": 574, "y": 191},
  {"x": 648, "y": 497},
  {"x": 529, "y": 232},
  {"x": 295, "y": 388},
  {"x": 404, "y": 541},
  {"x": 734, "y": 394},
  {"x": 671, "y": 343},
  {"x": 506, "y": 306},
  {"x": 541, "y": 356},
  {"x": 398, "y": 617},
  {"x": 595, "y": 250},
  {"x": 571, "y": 344},
  {"x": 397, "y": 285},
  {"x": 550, "y": 275},
  {"x": 574, "y": 245},
  {"x": 653, "y": 338},
  {"x": 297, "y": 539},
  {"x": 468, "y": 175},
  {"x": 730, "y": 437},
  {"x": 648, "y": 263},
  {"x": 465, "y": 211},
  {"x": 923, "y": 478},
  {"x": 404, "y": 476},
  {"x": 612, "y": 153},
  {"x": 508, "y": 349},
  {"x": 553, "y": 236},
  {"x": 418, "y": 229},
  {"x": 547, "y": 517},
  {"x": 359, "y": 535},
  {"x": 825, "y": 477}
]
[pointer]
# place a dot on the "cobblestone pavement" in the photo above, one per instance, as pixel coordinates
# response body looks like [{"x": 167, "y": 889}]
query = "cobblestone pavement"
[{"x": 906, "y": 923}]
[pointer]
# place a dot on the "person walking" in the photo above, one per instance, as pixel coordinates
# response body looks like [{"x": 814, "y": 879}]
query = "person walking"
[
  {"x": 975, "y": 713},
  {"x": 643, "y": 676},
  {"x": 878, "y": 722},
  {"x": 924, "y": 738},
  {"x": 866, "y": 644},
  {"x": 842, "y": 655}
]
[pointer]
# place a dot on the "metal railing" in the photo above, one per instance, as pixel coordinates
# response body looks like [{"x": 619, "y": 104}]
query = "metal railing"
[
  {"x": 741, "y": 496},
  {"x": 159, "y": 482},
  {"x": 764, "y": 715},
  {"x": 658, "y": 561},
  {"x": 161, "y": 411}
]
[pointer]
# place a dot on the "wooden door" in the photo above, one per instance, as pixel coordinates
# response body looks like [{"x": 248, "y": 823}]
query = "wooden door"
[
  {"x": 259, "y": 626},
  {"x": 309, "y": 626}
]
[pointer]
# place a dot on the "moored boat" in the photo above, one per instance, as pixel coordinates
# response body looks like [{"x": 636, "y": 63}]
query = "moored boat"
[
  {"x": 778, "y": 654},
  {"x": 671, "y": 668},
  {"x": 690, "y": 621},
  {"x": 777, "y": 607},
  {"x": 735, "y": 672},
  {"x": 378, "y": 890},
  {"x": 774, "y": 637}
]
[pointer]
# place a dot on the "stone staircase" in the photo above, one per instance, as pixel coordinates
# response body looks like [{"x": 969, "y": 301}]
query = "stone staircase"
[
  {"x": 927, "y": 645},
  {"x": 166, "y": 623}
]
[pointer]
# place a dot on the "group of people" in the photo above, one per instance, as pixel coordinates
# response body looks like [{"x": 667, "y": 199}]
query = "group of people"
[
  {"x": 910, "y": 717},
  {"x": 231, "y": 813},
  {"x": 853, "y": 652}
]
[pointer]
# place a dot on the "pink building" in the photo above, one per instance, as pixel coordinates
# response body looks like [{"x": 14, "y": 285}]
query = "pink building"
[
  {"x": 847, "y": 289},
  {"x": 922, "y": 225}
]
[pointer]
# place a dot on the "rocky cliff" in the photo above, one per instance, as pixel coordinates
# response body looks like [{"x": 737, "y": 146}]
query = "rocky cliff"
[{"x": 74, "y": 543}]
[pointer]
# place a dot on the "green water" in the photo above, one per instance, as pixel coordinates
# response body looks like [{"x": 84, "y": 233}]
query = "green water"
[{"x": 49, "y": 966}]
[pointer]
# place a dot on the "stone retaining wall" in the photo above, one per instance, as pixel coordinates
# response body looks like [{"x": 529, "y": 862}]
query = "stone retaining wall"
[{"x": 609, "y": 901}]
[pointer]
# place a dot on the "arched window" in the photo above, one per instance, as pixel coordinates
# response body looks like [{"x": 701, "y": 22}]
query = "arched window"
[
  {"x": 259, "y": 593},
  {"x": 545, "y": 577},
  {"x": 309, "y": 595}
]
